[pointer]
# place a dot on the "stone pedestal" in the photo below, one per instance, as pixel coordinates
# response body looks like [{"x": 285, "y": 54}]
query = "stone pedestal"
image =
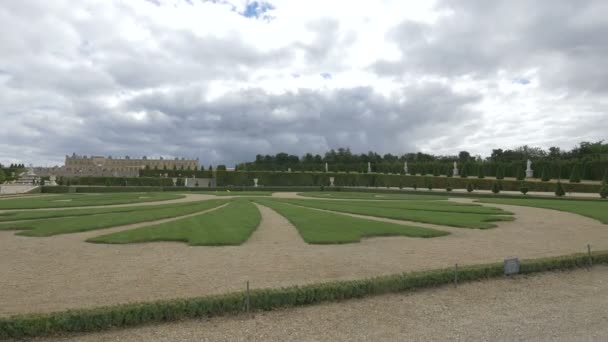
[
  {"x": 331, "y": 181},
  {"x": 174, "y": 181},
  {"x": 255, "y": 182},
  {"x": 369, "y": 167}
]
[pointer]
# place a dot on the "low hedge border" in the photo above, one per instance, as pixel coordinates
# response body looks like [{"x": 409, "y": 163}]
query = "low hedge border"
[{"x": 96, "y": 319}]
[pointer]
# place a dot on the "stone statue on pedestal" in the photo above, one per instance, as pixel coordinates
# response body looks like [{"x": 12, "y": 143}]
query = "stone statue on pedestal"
[
  {"x": 405, "y": 167},
  {"x": 369, "y": 167},
  {"x": 455, "y": 170},
  {"x": 529, "y": 171}
]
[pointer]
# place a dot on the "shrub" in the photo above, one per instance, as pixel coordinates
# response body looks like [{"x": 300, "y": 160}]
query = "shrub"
[
  {"x": 500, "y": 172},
  {"x": 495, "y": 187},
  {"x": 448, "y": 189},
  {"x": 575, "y": 176},
  {"x": 604, "y": 191},
  {"x": 470, "y": 187},
  {"x": 605, "y": 179},
  {"x": 523, "y": 190},
  {"x": 545, "y": 175},
  {"x": 519, "y": 173},
  {"x": 480, "y": 173},
  {"x": 415, "y": 186},
  {"x": 559, "y": 190}
]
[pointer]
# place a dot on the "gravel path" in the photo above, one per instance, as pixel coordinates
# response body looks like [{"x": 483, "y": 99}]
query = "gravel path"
[
  {"x": 63, "y": 272},
  {"x": 563, "y": 306}
]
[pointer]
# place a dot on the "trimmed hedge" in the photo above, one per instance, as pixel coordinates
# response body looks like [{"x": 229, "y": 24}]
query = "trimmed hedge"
[
  {"x": 24, "y": 326},
  {"x": 270, "y": 178}
]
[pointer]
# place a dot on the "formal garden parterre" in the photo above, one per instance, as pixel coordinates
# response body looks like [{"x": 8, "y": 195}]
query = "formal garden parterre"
[{"x": 92, "y": 250}]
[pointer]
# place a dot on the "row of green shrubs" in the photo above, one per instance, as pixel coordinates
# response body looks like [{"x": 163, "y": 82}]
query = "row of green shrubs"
[
  {"x": 268, "y": 178},
  {"x": 27, "y": 326},
  {"x": 95, "y": 189}
]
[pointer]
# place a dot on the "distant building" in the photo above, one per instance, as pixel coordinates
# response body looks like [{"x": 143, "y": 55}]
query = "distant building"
[{"x": 76, "y": 165}]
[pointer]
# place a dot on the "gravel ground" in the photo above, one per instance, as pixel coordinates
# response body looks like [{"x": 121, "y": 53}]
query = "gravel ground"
[
  {"x": 562, "y": 306},
  {"x": 64, "y": 272}
]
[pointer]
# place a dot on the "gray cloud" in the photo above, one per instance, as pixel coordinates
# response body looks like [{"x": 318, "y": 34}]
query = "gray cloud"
[
  {"x": 77, "y": 82},
  {"x": 565, "y": 40}
]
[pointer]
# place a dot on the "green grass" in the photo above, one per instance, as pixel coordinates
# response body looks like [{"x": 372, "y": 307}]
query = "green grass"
[
  {"x": 229, "y": 225},
  {"x": 317, "y": 227},
  {"x": 83, "y": 200},
  {"x": 237, "y": 193},
  {"x": 426, "y": 205},
  {"x": 594, "y": 209},
  {"x": 54, "y": 213},
  {"x": 370, "y": 196},
  {"x": 65, "y": 225},
  {"x": 461, "y": 218}
]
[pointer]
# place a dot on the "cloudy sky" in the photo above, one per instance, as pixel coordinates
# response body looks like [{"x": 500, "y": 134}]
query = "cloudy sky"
[{"x": 224, "y": 80}]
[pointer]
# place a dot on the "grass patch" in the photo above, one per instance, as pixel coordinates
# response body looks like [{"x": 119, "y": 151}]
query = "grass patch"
[
  {"x": 459, "y": 218},
  {"x": 319, "y": 227},
  {"x": 102, "y": 318},
  {"x": 370, "y": 196},
  {"x": 53, "y": 213},
  {"x": 594, "y": 209},
  {"x": 83, "y": 200},
  {"x": 65, "y": 225},
  {"x": 237, "y": 193},
  {"x": 229, "y": 225}
]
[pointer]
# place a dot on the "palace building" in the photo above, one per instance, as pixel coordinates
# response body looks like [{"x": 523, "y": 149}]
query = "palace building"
[{"x": 76, "y": 165}]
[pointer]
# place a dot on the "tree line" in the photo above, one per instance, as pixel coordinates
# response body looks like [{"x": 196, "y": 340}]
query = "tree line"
[{"x": 587, "y": 160}]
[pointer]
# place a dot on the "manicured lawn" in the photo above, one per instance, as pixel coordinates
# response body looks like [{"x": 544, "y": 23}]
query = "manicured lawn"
[
  {"x": 82, "y": 200},
  {"x": 368, "y": 195},
  {"x": 237, "y": 193},
  {"x": 229, "y": 225},
  {"x": 317, "y": 227},
  {"x": 454, "y": 219},
  {"x": 442, "y": 206},
  {"x": 64, "y": 225},
  {"x": 54, "y": 213},
  {"x": 595, "y": 209}
]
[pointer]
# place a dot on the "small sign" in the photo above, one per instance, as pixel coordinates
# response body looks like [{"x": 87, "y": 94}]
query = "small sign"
[{"x": 511, "y": 266}]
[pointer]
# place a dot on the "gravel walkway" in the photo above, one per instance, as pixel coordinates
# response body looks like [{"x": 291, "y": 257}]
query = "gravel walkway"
[
  {"x": 563, "y": 306},
  {"x": 63, "y": 272}
]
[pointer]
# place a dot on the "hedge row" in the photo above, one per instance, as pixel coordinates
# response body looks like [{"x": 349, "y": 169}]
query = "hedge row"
[
  {"x": 96, "y": 319},
  {"x": 176, "y": 173},
  {"x": 96, "y": 189},
  {"x": 268, "y": 178}
]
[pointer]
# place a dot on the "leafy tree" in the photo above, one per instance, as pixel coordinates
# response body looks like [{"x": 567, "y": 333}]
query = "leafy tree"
[
  {"x": 575, "y": 175},
  {"x": 210, "y": 168},
  {"x": 559, "y": 190},
  {"x": 221, "y": 167},
  {"x": 2, "y": 176},
  {"x": 470, "y": 187},
  {"x": 495, "y": 187}
]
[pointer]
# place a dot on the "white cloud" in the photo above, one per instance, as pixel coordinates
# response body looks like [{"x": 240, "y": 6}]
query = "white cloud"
[{"x": 199, "y": 79}]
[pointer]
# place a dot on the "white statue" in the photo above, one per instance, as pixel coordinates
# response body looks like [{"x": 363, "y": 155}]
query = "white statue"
[
  {"x": 326, "y": 168},
  {"x": 369, "y": 167},
  {"x": 331, "y": 181},
  {"x": 405, "y": 167},
  {"x": 455, "y": 170},
  {"x": 529, "y": 171},
  {"x": 255, "y": 182}
]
